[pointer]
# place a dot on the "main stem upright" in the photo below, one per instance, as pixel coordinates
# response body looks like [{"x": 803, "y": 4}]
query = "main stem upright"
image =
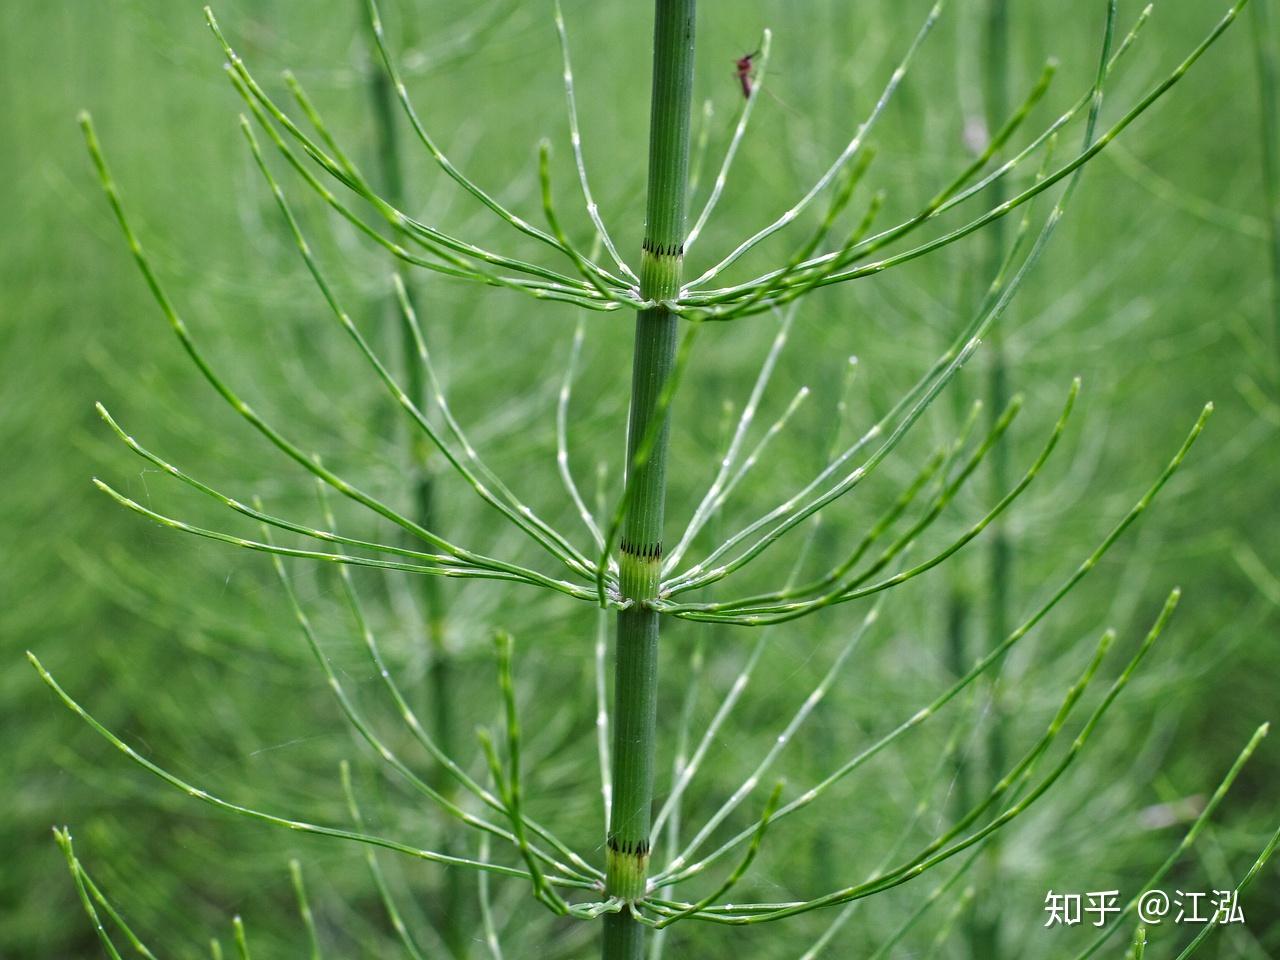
[{"x": 636, "y": 661}]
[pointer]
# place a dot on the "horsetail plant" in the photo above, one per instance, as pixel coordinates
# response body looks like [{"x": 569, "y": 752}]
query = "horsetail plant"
[{"x": 624, "y": 569}]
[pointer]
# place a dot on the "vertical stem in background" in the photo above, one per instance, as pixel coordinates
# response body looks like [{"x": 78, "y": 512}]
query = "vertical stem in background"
[
  {"x": 422, "y": 479},
  {"x": 1265, "y": 44},
  {"x": 636, "y": 668},
  {"x": 985, "y": 938},
  {"x": 958, "y": 612},
  {"x": 422, "y": 484}
]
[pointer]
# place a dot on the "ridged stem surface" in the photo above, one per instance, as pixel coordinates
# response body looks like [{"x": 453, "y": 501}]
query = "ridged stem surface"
[{"x": 636, "y": 666}]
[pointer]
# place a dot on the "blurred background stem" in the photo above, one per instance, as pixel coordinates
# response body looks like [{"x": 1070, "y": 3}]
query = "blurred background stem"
[
  {"x": 421, "y": 481},
  {"x": 1265, "y": 43},
  {"x": 985, "y": 926}
]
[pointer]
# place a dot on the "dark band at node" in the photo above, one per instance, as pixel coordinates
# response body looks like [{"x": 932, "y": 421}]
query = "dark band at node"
[
  {"x": 630, "y": 848},
  {"x": 665, "y": 250},
  {"x": 652, "y": 551}
]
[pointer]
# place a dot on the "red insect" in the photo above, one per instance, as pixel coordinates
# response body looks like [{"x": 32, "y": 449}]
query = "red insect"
[{"x": 746, "y": 68}]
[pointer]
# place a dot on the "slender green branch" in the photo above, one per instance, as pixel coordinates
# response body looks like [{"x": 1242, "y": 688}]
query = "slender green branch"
[
  {"x": 689, "y": 767},
  {"x": 241, "y": 938},
  {"x": 923, "y": 862},
  {"x": 379, "y": 878},
  {"x": 759, "y": 73},
  {"x": 519, "y": 515},
  {"x": 486, "y": 908},
  {"x": 90, "y": 894},
  {"x": 375, "y": 24},
  {"x": 362, "y": 727},
  {"x": 909, "y": 407},
  {"x": 304, "y": 908},
  {"x": 803, "y": 252},
  {"x": 951, "y": 195},
  {"x": 739, "y": 871},
  {"x": 766, "y": 602},
  {"x": 514, "y": 779},
  {"x": 548, "y": 284},
  {"x": 553, "y": 221},
  {"x": 981, "y": 666},
  {"x": 702, "y": 513},
  {"x": 850, "y": 151},
  {"x": 342, "y": 169},
  {"x": 1189, "y": 838},
  {"x": 575, "y": 137},
  {"x": 299, "y": 826},
  {"x": 306, "y": 461},
  {"x": 406, "y": 712},
  {"x": 1066, "y": 170},
  {"x": 562, "y": 439},
  {"x": 780, "y": 743},
  {"x": 1259, "y": 862}
]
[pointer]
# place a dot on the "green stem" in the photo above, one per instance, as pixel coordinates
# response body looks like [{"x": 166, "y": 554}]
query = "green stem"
[
  {"x": 636, "y": 667},
  {"x": 984, "y": 933},
  {"x": 422, "y": 483}
]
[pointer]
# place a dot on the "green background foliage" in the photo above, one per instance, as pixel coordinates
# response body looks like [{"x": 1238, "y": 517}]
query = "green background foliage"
[{"x": 1157, "y": 293}]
